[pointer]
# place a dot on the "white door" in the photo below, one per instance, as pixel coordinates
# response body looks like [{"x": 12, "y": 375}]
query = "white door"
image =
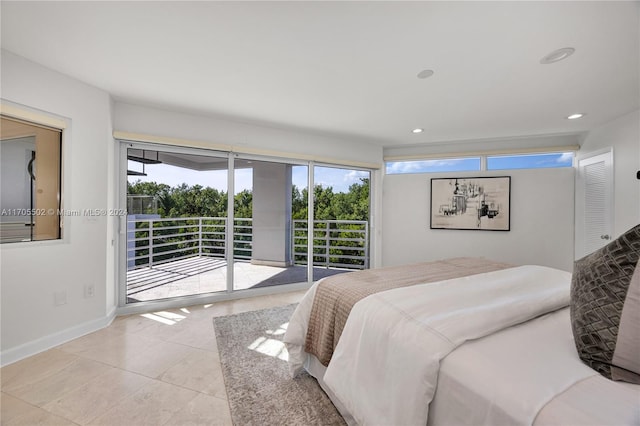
[{"x": 594, "y": 209}]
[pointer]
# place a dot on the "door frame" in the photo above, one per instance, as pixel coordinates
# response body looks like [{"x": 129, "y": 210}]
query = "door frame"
[
  {"x": 122, "y": 145},
  {"x": 606, "y": 155}
]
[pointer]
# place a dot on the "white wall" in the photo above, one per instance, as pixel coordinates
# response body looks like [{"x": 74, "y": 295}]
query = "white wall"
[
  {"x": 623, "y": 135},
  {"x": 546, "y": 142},
  {"x": 542, "y": 209},
  {"x": 157, "y": 122},
  {"x": 32, "y": 272}
]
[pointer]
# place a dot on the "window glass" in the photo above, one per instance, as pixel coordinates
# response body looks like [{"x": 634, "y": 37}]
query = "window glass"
[
  {"x": 530, "y": 161},
  {"x": 433, "y": 166},
  {"x": 31, "y": 180}
]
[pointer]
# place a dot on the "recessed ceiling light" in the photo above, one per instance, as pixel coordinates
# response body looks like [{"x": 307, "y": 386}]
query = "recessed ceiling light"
[
  {"x": 425, "y": 74},
  {"x": 575, "y": 116},
  {"x": 418, "y": 130},
  {"x": 557, "y": 55}
]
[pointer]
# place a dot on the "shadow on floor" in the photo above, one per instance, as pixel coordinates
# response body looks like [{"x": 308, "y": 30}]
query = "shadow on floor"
[
  {"x": 143, "y": 280},
  {"x": 298, "y": 274}
]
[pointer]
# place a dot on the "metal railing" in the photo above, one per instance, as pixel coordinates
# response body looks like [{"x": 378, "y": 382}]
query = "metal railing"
[
  {"x": 336, "y": 243},
  {"x": 153, "y": 241}
]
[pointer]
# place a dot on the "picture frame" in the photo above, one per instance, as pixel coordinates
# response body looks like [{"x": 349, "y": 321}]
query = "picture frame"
[{"x": 471, "y": 203}]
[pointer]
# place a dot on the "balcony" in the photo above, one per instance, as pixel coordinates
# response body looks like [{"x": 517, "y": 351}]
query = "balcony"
[{"x": 170, "y": 257}]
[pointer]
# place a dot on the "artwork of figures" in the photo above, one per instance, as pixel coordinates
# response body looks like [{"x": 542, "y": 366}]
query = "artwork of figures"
[{"x": 471, "y": 203}]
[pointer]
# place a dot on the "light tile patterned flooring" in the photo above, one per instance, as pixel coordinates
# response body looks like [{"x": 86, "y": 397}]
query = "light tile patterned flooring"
[{"x": 155, "y": 369}]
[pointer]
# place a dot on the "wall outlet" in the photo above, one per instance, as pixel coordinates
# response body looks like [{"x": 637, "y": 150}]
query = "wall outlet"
[
  {"x": 60, "y": 298},
  {"x": 89, "y": 290}
]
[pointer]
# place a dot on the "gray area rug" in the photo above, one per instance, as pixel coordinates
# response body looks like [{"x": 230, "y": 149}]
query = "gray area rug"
[{"x": 256, "y": 376}]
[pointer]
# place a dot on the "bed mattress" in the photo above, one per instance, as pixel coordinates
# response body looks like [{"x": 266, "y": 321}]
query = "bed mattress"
[{"x": 531, "y": 367}]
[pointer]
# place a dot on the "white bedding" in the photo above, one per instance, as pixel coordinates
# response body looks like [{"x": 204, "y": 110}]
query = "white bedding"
[
  {"x": 385, "y": 372},
  {"x": 296, "y": 335},
  {"x": 524, "y": 374},
  {"x": 385, "y": 367},
  {"x": 529, "y": 374}
]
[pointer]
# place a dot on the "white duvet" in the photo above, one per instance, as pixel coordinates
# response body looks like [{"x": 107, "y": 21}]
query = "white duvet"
[
  {"x": 385, "y": 368},
  {"x": 529, "y": 374}
]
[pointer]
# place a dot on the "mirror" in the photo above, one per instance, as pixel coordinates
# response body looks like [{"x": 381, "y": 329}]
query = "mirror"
[{"x": 30, "y": 179}]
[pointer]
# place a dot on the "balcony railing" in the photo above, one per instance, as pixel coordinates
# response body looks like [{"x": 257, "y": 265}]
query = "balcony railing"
[
  {"x": 153, "y": 241},
  {"x": 336, "y": 243}
]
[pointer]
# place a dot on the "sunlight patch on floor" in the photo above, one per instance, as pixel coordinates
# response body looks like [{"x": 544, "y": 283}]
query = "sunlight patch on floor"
[
  {"x": 169, "y": 318},
  {"x": 272, "y": 347},
  {"x": 280, "y": 330}
]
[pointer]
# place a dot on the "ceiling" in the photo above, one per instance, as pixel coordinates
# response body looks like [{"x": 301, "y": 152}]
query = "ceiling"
[
  {"x": 189, "y": 161},
  {"x": 349, "y": 68}
]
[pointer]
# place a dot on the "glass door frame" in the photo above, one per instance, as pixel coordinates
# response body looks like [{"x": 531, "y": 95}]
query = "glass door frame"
[
  {"x": 229, "y": 293},
  {"x": 292, "y": 162},
  {"x": 123, "y": 306},
  {"x": 373, "y": 206}
]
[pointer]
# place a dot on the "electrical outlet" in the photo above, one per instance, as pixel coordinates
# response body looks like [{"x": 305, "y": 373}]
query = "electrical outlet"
[
  {"x": 60, "y": 298},
  {"x": 89, "y": 290}
]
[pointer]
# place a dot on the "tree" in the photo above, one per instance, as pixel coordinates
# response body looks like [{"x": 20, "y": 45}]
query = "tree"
[
  {"x": 353, "y": 205},
  {"x": 299, "y": 201},
  {"x": 197, "y": 201},
  {"x": 183, "y": 200},
  {"x": 243, "y": 204}
]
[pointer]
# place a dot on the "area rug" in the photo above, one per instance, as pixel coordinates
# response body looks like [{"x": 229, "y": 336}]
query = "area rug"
[{"x": 259, "y": 387}]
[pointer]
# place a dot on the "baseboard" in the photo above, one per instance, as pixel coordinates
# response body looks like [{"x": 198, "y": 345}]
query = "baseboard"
[{"x": 42, "y": 344}]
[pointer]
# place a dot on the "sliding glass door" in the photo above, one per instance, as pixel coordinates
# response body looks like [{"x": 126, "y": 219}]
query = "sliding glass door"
[
  {"x": 341, "y": 220},
  {"x": 267, "y": 199},
  {"x": 176, "y": 224},
  {"x": 202, "y": 222}
]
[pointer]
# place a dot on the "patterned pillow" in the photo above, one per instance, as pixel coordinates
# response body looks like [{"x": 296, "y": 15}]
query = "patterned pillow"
[{"x": 605, "y": 308}]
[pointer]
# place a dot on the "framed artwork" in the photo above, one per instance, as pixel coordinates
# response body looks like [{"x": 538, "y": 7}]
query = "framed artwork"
[{"x": 474, "y": 203}]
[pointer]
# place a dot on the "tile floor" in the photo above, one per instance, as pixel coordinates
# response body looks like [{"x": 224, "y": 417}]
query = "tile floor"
[{"x": 154, "y": 369}]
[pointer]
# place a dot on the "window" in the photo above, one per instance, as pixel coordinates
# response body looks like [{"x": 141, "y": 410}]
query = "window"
[
  {"x": 434, "y": 166},
  {"x": 30, "y": 177},
  {"x": 530, "y": 161},
  {"x": 494, "y": 162}
]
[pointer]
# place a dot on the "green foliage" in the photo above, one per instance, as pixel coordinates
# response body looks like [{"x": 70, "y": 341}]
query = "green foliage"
[
  {"x": 243, "y": 204},
  {"x": 184, "y": 200},
  {"x": 352, "y": 205},
  {"x": 197, "y": 201}
]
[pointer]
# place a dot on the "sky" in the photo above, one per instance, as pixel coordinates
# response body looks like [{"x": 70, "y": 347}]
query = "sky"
[
  {"x": 338, "y": 179},
  {"x": 473, "y": 164}
]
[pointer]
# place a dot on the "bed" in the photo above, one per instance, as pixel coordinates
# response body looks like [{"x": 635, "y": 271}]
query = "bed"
[{"x": 454, "y": 342}]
